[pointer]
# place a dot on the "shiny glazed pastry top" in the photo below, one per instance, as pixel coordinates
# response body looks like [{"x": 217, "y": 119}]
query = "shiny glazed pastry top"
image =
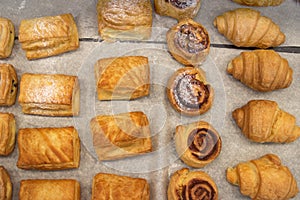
[
  {"x": 7, "y": 37},
  {"x": 8, "y": 84}
]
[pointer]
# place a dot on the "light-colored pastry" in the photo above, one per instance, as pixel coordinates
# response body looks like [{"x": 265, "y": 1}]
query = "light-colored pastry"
[
  {"x": 115, "y": 187},
  {"x": 188, "y": 42},
  {"x": 192, "y": 185},
  {"x": 262, "y": 70},
  {"x": 49, "y": 189},
  {"x": 8, "y": 84},
  {"x": 48, "y": 148},
  {"x": 121, "y": 135},
  {"x": 7, "y": 37},
  {"x": 245, "y": 27},
  {"x": 178, "y": 9},
  {"x": 124, "y": 20},
  {"x": 188, "y": 91},
  {"x": 122, "y": 78},
  {"x": 197, "y": 144},
  {"x": 5, "y": 185},
  {"x": 48, "y": 36},
  {"x": 7, "y": 133},
  {"x": 49, "y": 94},
  {"x": 259, "y": 2},
  {"x": 264, "y": 178},
  {"x": 263, "y": 121}
]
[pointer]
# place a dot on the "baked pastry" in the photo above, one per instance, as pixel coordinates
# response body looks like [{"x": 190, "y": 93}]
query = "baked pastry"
[
  {"x": 259, "y": 2},
  {"x": 178, "y": 9},
  {"x": 188, "y": 42},
  {"x": 49, "y": 94},
  {"x": 48, "y": 36},
  {"x": 192, "y": 185},
  {"x": 115, "y": 187},
  {"x": 122, "y": 135},
  {"x": 263, "y": 121},
  {"x": 245, "y": 27},
  {"x": 7, "y": 37},
  {"x": 49, "y": 189},
  {"x": 262, "y": 70},
  {"x": 7, "y": 133},
  {"x": 188, "y": 91},
  {"x": 124, "y": 20},
  {"x": 8, "y": 84},
  {"x": 48, "y": 148},
  {"x": 5, "y": 185},
  {"x": 264, "y": 178},
  {"x": 122, "y": 77},
  {"x": 197, "y": 144}
]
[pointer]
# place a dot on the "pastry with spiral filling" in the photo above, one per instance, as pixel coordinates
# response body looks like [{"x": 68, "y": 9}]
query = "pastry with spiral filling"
[
  {"x": 188, "y": 91},
  {"x": 8, "y": 85},
  {"x": 188, "y": 42},
  {"x": 7, "y": 37},
  {"x": 5, "y": 185},
  {"x": 7, "y": 133},
  {"x": 192, "y": 185},
  {"x": 197, "y": 144}
]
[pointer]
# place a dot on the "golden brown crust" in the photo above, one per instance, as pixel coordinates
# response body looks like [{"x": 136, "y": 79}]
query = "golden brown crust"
[
  {"x": 122, "y": 135},
  {"x": 197, "y": 144},
  {"x": 114, "y": 187},
  {"x": 5, "y": 185},
  {"x": 8, "y": 85},
  {"x": 48, "y": 36},
  {"x": 49, "y": 94},
  {"x": 264, "y": 178},
  {"x": 188, "y": 42},
  {"x": 7, "y": 133},
  {"x": 58, "y": 189},
  {"x": 188, "y": 91},
  {"x": 259, "y": 2},
  {"x": 262, "y": 70},
  {"x": 192, "y": 185},
  {"x": 48, "y": 148},
  {"x": 124, "y": 20},
  {"x": 7, "y": 35},
  {"x": 122, "y": 77}
]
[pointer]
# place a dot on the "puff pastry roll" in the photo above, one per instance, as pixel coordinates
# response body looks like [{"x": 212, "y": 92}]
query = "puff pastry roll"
[
  {"x": 7, "y": 133},
  {"x": 122, "y": 77},
  {"x": 122, "y": 135},
  {"x": 48, "y": 36},
  {"x": 124, "y": 20},
  {"x": 7, "y": 37},
  {"x": 49, "y": 94},
  {"x": 49, "y": 189},
  {"x": 8, "y": 85},
  {"x": 48, "y": 148},
  {"x": 115, "y": 187},
  {"x": 5, "y": 185}
]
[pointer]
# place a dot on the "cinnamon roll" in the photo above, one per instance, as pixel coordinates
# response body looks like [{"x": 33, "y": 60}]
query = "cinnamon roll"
[
  {"x": 5, "y": 185},
  {"x": 188, "y": 91},
  {"x": 197, "y": 144}
]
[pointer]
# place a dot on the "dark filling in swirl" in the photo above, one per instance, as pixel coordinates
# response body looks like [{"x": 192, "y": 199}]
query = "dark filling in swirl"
[
  {"x": 182, "y": 4},
  {"x": 198, "y": 190}
]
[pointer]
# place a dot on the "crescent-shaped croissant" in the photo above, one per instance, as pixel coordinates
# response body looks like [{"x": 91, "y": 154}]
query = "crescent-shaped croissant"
[
  {"x": 259, "y": 2},
  {"x": 245, "y": 27}
]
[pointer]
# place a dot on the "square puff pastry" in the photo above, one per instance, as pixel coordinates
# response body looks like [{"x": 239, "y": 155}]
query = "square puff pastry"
[
  {"x": 8, "y": 85},
  {"x": 115, "y": 187},
  {"x": 49, "y": 94},
  {"x": 49, "y": 189},
  {"x": 7, "y": 133},
  {"x": 48, "y": 148},
  {"x": 122, "y": 78},
  {"x": 7, "y": 37},
  {"x": 124, "y": 20},
  {"x": 48, "y": 36},
  {"x": 122, "y": 135},
  {"x": 5, "y": 185}
]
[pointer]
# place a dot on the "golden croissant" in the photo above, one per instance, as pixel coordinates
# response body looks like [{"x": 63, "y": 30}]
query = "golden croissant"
[
  {"x": 264, "y": 179},
  {"x": 263, "y": 121},
  {"x": 262, "y": 70},
  {"x": 245, "y": 27},
  {"x": 259, "y": 2}
]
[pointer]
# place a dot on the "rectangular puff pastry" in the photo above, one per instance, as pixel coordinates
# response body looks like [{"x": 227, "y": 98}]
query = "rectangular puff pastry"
[
  {"x": 49, "y": 189},
  {"x": 49, "y": 94},
  {"x": 125, "y": 77},
  {"x": 124, "y": 20},
  {"x": 8, "y": 84},
  {"x": 48, "y": 148},
  {"x": 122, "y": 135},
  {"x": 115, "y": 187},
  {"x": 48, "y": 36},
  {"x": 7, "y": 37},
  {"x": 7, "y": 133}
]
